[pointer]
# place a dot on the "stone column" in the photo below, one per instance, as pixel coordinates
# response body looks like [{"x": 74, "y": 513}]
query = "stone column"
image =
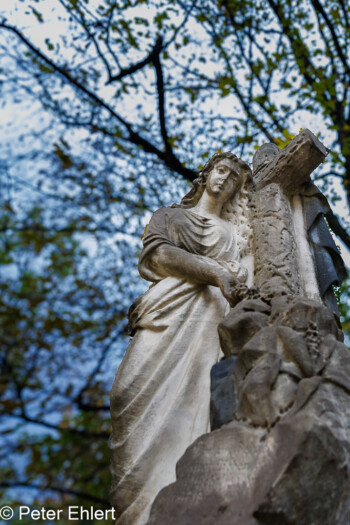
[{"x": 275, "y": 244}]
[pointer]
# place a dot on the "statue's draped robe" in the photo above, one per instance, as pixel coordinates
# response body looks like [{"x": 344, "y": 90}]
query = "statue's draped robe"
[
  {"x": 329, "y": 265},
  {"x": 161, "y": 394}
]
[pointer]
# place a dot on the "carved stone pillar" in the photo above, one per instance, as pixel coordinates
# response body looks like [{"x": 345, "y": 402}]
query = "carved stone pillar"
[
  {"x": 276, "y": 260},
  {"x": 277, "y": 263}
]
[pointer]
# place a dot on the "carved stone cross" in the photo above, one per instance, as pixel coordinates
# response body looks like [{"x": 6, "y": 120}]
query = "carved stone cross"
[{"x": 282, "y": 253}]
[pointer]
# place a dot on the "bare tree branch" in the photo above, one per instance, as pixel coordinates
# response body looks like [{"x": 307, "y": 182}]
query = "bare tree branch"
[
  {"x": 250, "y": 114},
  {"x": 158, "y": 46},
  {"x": 296, "y": 42},
  {"x": 161, "y": 97},
  {"x": 319, "y": 8},
  {"x": 135, "y": 138},
  {"x": 90, "y": 35}
]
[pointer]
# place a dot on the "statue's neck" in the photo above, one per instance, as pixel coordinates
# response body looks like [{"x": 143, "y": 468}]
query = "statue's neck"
[{"x": 208, "y": 206}]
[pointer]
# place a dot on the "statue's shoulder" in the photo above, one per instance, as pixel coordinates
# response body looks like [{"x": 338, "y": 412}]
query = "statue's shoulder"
[{"x": 166, "y": 212}]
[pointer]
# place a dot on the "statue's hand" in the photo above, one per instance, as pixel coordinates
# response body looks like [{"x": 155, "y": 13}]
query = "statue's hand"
[
  {"x": 237, "y": 269},
  {"x": 234, "y": 291},
  {"x": 231, "y": 288}
]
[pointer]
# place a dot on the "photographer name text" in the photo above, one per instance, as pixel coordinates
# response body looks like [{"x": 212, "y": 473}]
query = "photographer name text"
[{"x": 73, "y": 512}]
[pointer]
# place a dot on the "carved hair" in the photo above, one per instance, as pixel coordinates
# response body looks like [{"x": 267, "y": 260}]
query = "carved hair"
[{"x": 236, "y": 209}]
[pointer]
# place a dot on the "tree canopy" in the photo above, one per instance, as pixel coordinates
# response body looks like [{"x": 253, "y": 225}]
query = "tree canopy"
[{"x": 114, "y": 105}]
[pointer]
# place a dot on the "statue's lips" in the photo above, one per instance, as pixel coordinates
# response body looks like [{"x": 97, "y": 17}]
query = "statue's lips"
[{"x": 219, "y": 185}]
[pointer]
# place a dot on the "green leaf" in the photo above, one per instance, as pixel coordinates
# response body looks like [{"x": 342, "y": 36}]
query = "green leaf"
[
  {"x": 37, "y": 15},
  {"x": 45, "y": 69}
]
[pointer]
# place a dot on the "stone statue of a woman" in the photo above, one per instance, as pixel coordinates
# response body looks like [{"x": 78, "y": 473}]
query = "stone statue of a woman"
[{"x": 197, "y": 256}]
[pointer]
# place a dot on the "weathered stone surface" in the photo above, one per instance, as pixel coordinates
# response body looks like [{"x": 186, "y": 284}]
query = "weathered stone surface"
[
  {"x": 297, "y": 474},
  {"x": 313, "y": 494},
  {"x": 268, "y": 369},
  {"x": 302, "y": 313},
  {"x": 276, "y": 258},
  {"x": 239, "y": 326},
  {"x": 294, "y": 164},
  {"x": 285, "y": 457}
]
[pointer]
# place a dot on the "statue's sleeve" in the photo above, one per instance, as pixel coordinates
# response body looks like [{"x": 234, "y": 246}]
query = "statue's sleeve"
[{"x": 156, "y": 235}]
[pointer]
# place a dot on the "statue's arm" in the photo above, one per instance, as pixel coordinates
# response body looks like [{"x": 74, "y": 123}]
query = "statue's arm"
[{"x": 170, "y": 261}]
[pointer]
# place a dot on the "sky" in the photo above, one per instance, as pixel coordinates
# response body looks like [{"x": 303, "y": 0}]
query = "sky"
[{"x": 17, "y": 117}]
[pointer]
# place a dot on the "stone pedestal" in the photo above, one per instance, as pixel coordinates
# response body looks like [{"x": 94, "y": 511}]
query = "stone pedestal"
[{"x": 284, "y": 458}]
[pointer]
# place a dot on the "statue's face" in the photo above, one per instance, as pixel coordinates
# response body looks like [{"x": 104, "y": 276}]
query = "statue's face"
[{"x": 223, "y": 180}]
